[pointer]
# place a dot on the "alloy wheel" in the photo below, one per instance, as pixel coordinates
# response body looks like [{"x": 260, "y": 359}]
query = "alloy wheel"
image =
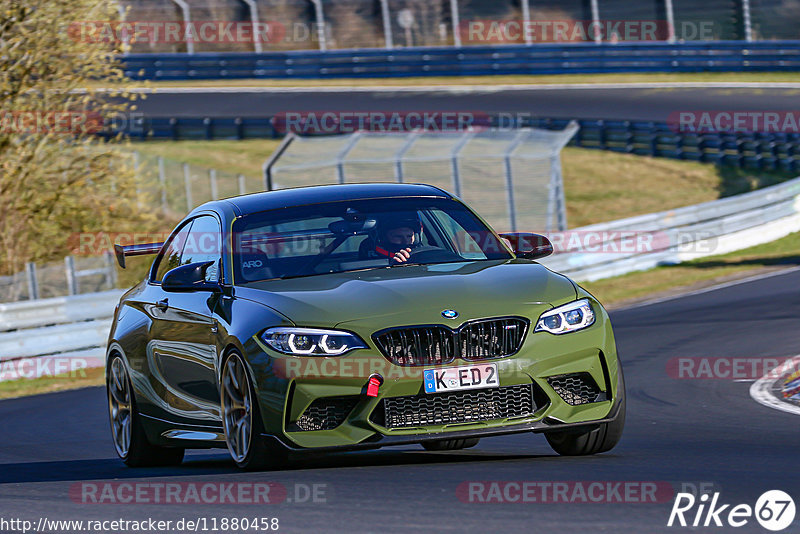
[
  {"x": 119, "y": 406},
  {"x": 237, "y": 410}
]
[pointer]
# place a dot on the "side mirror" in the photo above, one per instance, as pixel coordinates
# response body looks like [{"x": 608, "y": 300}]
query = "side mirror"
[
  {"x": 529, "y": 246},
  {"x": 189, "y": 277}
]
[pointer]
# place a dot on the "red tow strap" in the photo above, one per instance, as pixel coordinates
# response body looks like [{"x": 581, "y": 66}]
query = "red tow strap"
[{"x": 374, "y": 383}]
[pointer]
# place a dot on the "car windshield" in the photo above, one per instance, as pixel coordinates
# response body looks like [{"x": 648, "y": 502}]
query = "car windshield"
[{"x": 361, "y": 234}]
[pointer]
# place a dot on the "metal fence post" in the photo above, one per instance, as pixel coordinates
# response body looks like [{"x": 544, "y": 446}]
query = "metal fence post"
[
  {"x": 33, "y": 286},
  {"x": 266, "y": 167},
  {"x": 162, "y": 178},
  {"x": 72, "y": 281},
  {"x": 454, "y": 161},
  {"x": 320, "y": 16},
  {"x": 557, "y": 193},
  {"x": 242, "y": 185},
  {"x": 253, "y": 7},
  {"x": 126, "y": 38},
  {"x": 398, "y": 158},
  {"x": 212, "y": 178},
  {"x": 598, "y": 34},
  {"x": 746, "y": 20},
  {"x": 187, "y": 181},
  {"x": 456, "y": 22},
  {"x": 387, "y": 24},
  {"x": 187, "y": 21},
  {"x": 526, "y": 21},
  {"x": 551, "y": 200},
  {"x": 670, "y": 20},
  {"x": 512, "y": 208},
  {"x": 354, "y": 137}
]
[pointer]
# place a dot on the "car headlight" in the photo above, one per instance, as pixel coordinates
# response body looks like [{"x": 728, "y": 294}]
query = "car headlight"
[
  {"x": 567, "y": 318},
  {"x": 311, "y": 341}
]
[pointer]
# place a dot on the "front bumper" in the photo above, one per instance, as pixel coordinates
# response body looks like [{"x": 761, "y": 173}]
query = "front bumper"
[
  {"x": 288, "y": 386},
  {"x": 380, "y": 440}
]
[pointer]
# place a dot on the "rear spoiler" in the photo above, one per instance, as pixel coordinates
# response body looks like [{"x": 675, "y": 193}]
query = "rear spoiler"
[{"x": 135, "y": 250}]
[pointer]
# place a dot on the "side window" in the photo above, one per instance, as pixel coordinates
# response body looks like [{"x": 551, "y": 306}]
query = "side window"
[
  {"x": 172, "y": 254},
  {"x": 204, "y": 243}
]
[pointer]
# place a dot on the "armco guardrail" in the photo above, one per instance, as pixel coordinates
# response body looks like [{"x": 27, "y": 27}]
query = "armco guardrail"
[
  {"x": 58, "y": 310},
  {"x": 674, "y": 236},
  {"x": 699, "y": 56},
  {"x": 50, "y": 340},
  {"x": 47, "y": 337}
]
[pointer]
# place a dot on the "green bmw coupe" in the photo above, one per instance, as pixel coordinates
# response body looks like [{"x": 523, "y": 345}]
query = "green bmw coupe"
[{"x": 352, "y": 317}]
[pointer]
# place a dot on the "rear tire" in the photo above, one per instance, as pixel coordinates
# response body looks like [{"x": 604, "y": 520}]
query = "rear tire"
[
  {"x": 241, "y": 419},
  {"x": 130, "y": 439},
  {"x": 601, "y": 439},
  {"x": 450, "y": 444}
]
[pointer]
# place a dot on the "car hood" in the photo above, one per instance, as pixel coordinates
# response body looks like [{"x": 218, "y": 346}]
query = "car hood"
[{"x": 415, "y": 294}]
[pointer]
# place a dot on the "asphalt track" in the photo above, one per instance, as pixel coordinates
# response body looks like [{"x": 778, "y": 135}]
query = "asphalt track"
[
  {"x": 634, "y": 101},
  {"x": 679, "y": 431}
]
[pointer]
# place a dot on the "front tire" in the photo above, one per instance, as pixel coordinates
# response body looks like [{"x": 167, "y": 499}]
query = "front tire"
[
  {"x": 130, "y": 439},
  {"x": 601, "y": 439},
  {"x": 241, "y": 419}
]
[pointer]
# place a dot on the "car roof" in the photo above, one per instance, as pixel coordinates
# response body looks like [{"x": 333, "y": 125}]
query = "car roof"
[{"x": 301, "y": 196}]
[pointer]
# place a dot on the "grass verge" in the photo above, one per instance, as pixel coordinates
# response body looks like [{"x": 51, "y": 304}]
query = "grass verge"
[
  {"x": 675, "y": 279},
  {"x": 234, "y": 157},
  {"x": 35, "y": 386},
  {"x": 600, "y": 186}
]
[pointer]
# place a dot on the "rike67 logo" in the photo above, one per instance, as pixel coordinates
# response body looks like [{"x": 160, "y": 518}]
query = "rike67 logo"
[{"x": 774, "y": 510}]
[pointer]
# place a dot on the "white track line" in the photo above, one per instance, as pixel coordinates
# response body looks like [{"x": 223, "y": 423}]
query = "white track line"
[
  {"x": 761, "y": 390},
  {"x": 466, "y": 89}
]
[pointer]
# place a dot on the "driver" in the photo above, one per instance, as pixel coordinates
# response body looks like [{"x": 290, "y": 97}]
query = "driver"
[{"x": 396, "y": 237}]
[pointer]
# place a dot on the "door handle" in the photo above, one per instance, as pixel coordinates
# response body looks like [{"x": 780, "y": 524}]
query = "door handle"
[{"x": 162, "y": 305}]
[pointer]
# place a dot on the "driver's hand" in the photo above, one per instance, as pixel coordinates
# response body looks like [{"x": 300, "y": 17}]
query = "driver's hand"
[{"x": 402, "y": 256}]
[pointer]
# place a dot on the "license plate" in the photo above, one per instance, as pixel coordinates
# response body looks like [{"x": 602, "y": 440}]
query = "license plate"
[{"x": 460, "y": 378}]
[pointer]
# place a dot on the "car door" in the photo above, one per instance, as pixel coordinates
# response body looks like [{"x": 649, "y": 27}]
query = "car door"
[{"x": 183, "y": 353}]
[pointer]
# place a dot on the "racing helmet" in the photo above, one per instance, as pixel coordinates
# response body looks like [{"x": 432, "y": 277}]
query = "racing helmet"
[{"x": 391, "y": 221}]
